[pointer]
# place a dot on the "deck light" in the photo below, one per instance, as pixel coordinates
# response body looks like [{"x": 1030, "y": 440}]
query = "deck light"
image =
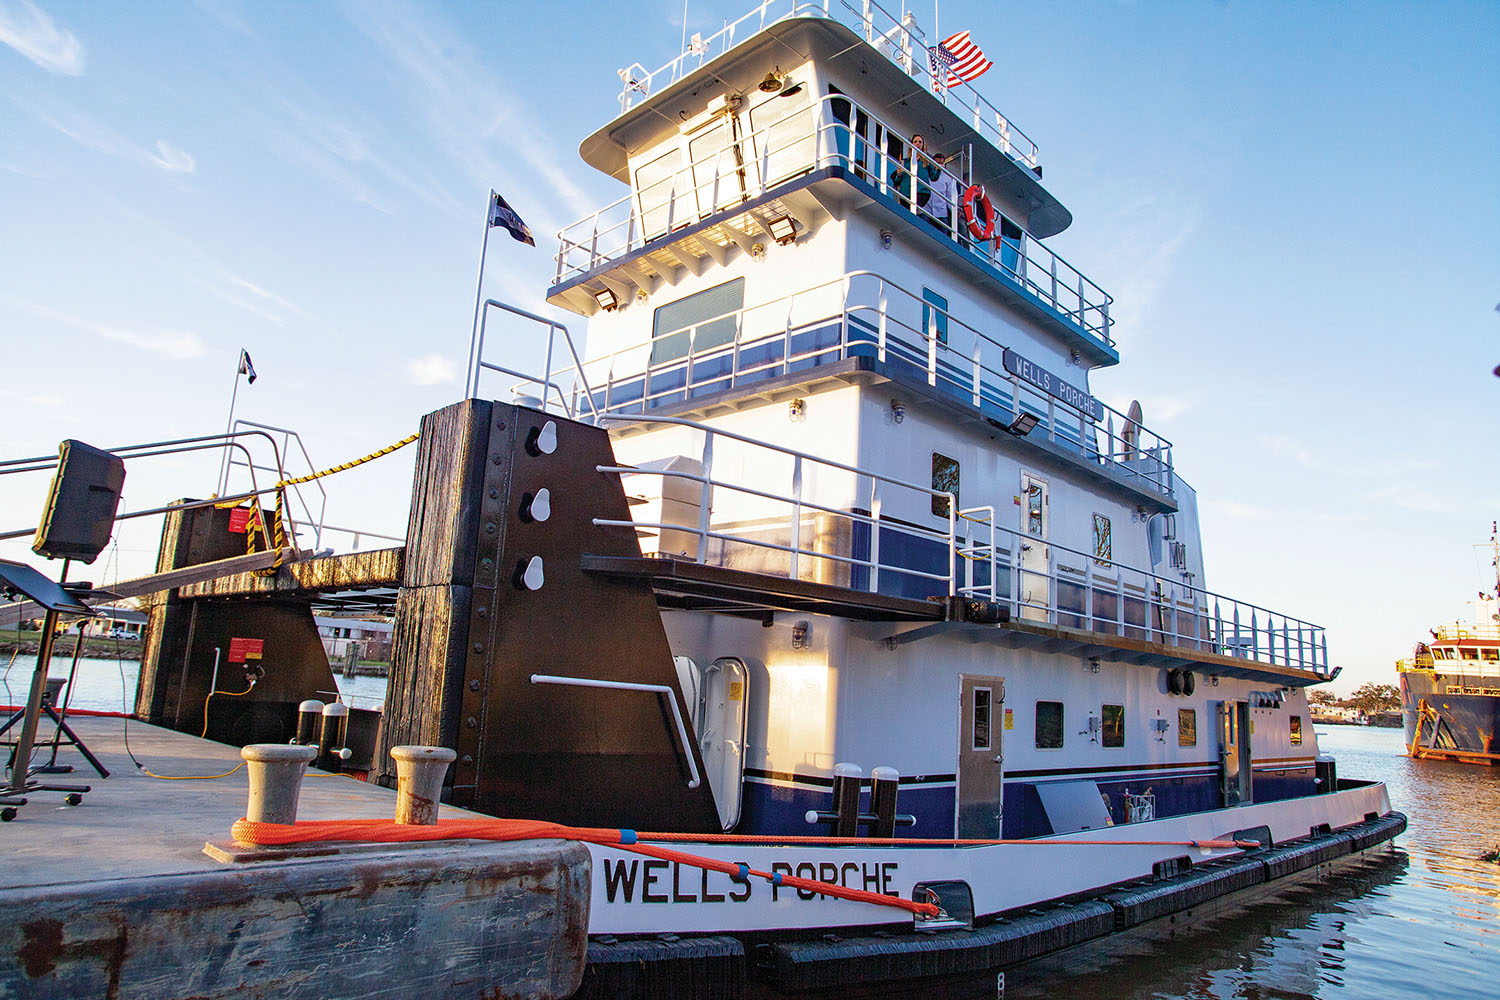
[
  {"x": 607, "y": 300},
  {"x": 1022, "y": 425},
  {"x": 783, "y": 230},
  {"x": 771, "y": 84}
]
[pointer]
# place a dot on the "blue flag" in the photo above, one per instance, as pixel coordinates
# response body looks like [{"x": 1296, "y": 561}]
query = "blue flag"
[{"x": 501, "y": 214}]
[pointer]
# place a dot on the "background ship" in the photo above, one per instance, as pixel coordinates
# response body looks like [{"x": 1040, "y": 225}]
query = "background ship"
[{"x": 1450, "y": 688}]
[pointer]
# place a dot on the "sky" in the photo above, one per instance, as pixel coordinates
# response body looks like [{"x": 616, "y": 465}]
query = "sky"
[{"x": 1296, "y": 207}]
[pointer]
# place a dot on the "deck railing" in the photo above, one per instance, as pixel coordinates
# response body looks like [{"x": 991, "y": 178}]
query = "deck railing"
[
  {"x": 863, "y": 314},
  {"x": 790, "y": 513},
  {"x": 784, "y": 524},
  {"x": 808, "y": 138},
  {"x": 1043, "y": 581},
  {"x": 897, "y": 37}
]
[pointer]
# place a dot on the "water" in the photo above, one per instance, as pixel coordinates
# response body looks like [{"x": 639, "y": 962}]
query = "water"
[
  {"x": 104, "y": 685},
  {"x": 1422, "y": 921}
]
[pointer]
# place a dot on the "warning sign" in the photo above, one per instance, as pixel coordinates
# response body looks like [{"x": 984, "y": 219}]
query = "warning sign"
[
  {"x": 242, "y": 519},
  {"x": 1010, "y": 722},
  {"x": 245, "y": 650}
]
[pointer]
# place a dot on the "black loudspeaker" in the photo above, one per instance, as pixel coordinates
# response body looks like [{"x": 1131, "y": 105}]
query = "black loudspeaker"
[{"x": 81, "y": 506}]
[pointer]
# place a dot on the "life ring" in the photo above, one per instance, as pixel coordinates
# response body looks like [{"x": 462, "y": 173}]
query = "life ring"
[
  {"x": 976, "y": 202},
  {"x": 1174, "y": 681},
  {"x": 1188, "y": 683}
]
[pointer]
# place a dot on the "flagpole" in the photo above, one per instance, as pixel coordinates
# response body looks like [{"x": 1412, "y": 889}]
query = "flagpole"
[
  {"x": 471, "y": 376},
  {"x": 229, "y": 426}
]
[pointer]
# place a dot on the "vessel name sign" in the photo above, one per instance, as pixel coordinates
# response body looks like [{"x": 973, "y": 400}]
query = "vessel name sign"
[
  {"x": 1052, "y": 385},
  {"x": 635, "y": 880}
]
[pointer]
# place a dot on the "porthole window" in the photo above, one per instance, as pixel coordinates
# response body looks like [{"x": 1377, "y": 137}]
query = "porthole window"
[
  {"x": 1104, "y": 543},
  {"x": 1296, "y": 721}
]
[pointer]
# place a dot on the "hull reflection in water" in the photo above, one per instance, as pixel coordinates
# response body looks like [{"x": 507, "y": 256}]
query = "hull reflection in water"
[{"x": 1287, "y": 943}]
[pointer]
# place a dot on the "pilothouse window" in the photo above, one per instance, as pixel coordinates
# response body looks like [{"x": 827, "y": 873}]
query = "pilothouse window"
[{"x": 699, "y": 319}]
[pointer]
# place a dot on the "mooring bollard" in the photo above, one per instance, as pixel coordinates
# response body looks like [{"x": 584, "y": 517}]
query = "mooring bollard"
[
  {"x": 275, "y": 771},
  {"x": 419, "y": 782}
]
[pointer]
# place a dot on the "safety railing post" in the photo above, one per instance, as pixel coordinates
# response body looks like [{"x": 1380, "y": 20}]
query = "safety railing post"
[
  {"x": 1120, "y": 602},
  {"x": 1176, "y": 630},
  {"x": 952, "y": 545},
  {"x": 705, "y": 496},
  {"x": 1088, "y": 594},
  {"x": 874, "y": 535},
  {"x": 796, "y": 514}
]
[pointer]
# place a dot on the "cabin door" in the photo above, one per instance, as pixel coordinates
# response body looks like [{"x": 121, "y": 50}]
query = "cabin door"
[
  {"x": 1036, "y": 584},
  {"x": 1234, "y": 752},
  {"x": 981, "y": 769}
]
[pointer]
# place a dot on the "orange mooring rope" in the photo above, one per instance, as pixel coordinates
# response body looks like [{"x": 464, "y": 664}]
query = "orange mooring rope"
[{"x": 384, "y": 831}]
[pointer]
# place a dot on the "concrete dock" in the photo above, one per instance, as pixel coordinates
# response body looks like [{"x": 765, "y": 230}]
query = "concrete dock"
[{"x": 116, "y": 897}]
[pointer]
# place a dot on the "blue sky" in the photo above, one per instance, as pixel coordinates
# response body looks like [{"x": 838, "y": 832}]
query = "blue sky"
[{"x": 1296, "y": 207}]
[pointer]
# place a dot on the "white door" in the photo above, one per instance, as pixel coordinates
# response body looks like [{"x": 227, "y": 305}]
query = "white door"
[
  {"x": 981, "y": 766},
  {"x": 1036, "y": 584}
]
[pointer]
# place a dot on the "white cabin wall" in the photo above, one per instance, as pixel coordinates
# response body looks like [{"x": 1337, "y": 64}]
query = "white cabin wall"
[{"x": 990, "y": 467}]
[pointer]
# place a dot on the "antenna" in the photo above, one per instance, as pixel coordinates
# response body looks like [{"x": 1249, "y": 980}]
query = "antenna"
[{"x": 684, "y": 26}]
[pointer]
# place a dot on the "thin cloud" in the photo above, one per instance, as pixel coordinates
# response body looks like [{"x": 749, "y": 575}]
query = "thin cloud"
[
  {"x": 33, "y": 399},
  {"x": 1144, "y": 254},
  {"x": 168, "y": 343},
  {"x": 434, "y": 369},
  {"x": 463, "y": 99},
  {"x": 28, "y": 30},
  {"x": 91, "y": 133},
  {"x": 169, "y": 157}
]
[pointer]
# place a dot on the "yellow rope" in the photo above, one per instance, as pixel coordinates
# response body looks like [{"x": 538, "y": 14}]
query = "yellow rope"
[
  {"x": 275, "y": 535},
  {"x": 229, "y": 694},
  {"x": 349, "y": 465},
  {"x": 190, "y": 777}
]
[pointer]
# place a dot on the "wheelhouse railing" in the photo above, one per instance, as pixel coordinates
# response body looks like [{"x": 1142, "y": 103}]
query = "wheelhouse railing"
[
  {"x": 835, "y": 131},
  {"x": 897, "y": 37},
  {"x": 863, "y": 314},
  {"x": 744, "y": 503}
]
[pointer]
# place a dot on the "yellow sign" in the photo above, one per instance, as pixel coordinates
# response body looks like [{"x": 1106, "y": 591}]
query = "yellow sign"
[
  {"x": 1010, "y": 721},
  {"x": 736, "y": 690}
]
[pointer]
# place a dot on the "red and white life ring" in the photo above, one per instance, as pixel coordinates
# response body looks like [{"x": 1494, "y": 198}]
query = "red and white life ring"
[{"x": 979, "y": 213}]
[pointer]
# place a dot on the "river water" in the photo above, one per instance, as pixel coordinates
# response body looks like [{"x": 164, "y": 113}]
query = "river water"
[{"x": 1422, "y": 921}]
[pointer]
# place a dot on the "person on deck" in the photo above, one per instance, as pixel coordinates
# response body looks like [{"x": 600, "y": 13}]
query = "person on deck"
[
  {"x": 913, "y": 162},
  {"x": 943, "y": 194}
]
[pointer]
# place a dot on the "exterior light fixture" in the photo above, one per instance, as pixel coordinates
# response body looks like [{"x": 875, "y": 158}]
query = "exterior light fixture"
[
  {"x": 607, "y": 300},
  {"x": 1022, "y": 425},
  {"x": 771, "y": 84},
  {"x": 783, "y": 230},
  {"x": 794, "y": 410},
  {"x": 898, "y": 410}
]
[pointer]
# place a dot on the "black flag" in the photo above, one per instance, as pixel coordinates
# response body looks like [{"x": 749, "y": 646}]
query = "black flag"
[
  {"x": 246, "y": 368},
  {"x": 501, "y": 214}
]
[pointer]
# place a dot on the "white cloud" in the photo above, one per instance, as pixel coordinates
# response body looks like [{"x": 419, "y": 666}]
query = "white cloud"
[
  {"x": 91, "y": 133},
  {"x": 168, "y": 343},
  {"x": 432, "y": 369},
  {"x": 28, "y": 30},
  {"x": 171, "y": 158}
]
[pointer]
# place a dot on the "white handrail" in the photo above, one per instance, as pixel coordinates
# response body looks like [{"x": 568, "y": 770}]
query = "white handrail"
[
  {"x": 694, "y": 781},
  {"x": 618, "y": 229},
  {"x": 898, "y": 39}
]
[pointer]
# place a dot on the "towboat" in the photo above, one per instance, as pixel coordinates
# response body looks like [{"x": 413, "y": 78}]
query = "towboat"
[{"x": 820, "y": 565}]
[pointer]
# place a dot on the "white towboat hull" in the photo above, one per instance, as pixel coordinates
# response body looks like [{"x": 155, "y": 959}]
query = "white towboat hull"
[{"x": 637, "y": 895}]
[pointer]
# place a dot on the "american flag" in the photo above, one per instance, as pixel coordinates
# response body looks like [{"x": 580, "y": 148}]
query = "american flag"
[{"x": 959, "y": 58}]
